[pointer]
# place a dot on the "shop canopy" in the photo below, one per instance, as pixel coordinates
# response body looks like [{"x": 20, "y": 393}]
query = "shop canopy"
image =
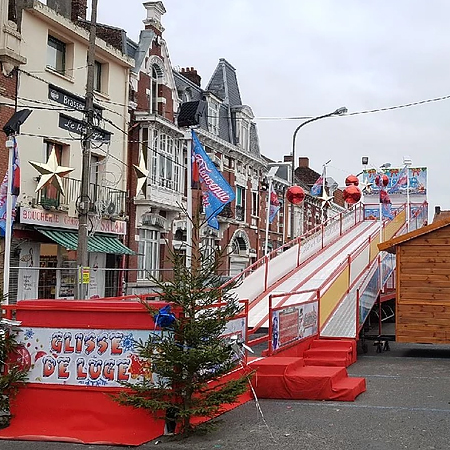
[{"x": 97, "y": 243}]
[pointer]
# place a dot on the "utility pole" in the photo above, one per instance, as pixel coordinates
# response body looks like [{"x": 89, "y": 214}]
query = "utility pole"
[{"x": 83, "y": 208}]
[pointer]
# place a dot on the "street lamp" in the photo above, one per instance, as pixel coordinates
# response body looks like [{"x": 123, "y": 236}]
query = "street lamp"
[{"x": 338, "y": 112}]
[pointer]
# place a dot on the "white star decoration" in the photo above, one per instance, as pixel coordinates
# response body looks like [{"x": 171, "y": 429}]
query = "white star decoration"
[
  {"x": 141, "y": 173},
  {"x": 51, "y": 172},
  {"x": 325, "y": 198},
  {"x": 366, "y": 187}
]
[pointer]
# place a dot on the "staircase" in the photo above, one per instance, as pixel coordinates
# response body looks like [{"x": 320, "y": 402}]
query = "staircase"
[{"x": 320, "y": 374}]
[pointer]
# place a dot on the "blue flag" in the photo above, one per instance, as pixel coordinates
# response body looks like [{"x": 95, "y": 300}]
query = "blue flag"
[
  {"x": 317, "y": 187},
  {"x": 216, "y": 191}
]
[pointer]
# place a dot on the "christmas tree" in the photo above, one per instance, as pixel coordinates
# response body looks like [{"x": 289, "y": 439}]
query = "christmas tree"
[{"x": 190, "y": 357}]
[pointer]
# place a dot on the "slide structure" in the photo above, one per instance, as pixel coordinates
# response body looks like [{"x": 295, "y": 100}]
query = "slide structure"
[
  {"x": 337, "y": 263},
  {"x": 311, "y": 298}
]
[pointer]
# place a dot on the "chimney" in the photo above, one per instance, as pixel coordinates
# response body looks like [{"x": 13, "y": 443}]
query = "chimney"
[
  {"x": 437, "y": 210},
  {"x": 303, "y": 161},
  {"x": 191, "y": 74},
  {"x": 155, "y": 11},
  {"x": 79, "y": 8}
]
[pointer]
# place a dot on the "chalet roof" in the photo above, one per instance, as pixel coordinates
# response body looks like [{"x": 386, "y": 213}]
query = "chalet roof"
[{"x": 389, "y": 246}]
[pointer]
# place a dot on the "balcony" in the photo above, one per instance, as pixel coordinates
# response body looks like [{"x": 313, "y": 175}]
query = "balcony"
[{"x": 105, "y": 201}]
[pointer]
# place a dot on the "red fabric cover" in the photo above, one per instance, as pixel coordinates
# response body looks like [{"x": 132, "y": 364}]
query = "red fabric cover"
[
  {"x": 78, "y": 415},
  {"x": 320, "y": 375}
]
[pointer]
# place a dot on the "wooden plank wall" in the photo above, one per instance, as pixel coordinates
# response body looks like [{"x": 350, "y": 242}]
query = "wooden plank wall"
[{"x": 423, "y": 289}]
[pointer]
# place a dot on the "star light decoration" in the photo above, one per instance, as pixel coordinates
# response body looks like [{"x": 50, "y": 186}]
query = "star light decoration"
[
  {"x": 141, "y": 173},
  {"x": 366, "y": 187},
  {"x": 325, "y": 198},
  {"x": 51, "y": 172}
]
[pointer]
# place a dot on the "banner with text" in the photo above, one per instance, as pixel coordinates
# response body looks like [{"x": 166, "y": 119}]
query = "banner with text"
[
  {"x": 83, "y": 356},
  {"x": 294, "y": 323}
]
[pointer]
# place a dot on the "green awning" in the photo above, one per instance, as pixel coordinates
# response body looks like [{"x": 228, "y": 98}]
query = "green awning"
[{"x": 97, "y": 243}]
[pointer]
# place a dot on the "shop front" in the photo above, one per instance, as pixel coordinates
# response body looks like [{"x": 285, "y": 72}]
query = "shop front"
[{"x": 48, "y": 256}]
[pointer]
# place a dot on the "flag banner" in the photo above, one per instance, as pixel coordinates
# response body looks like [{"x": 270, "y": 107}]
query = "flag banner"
[
  {"x": 400, "y": 182},
  {"x": 274, "y": 206},
  {"x": 316, "y": 190},
  {"x": 216, "y": 191},
  {"x": 386, "y": 205},
  {"x": 14, "y": 191}
]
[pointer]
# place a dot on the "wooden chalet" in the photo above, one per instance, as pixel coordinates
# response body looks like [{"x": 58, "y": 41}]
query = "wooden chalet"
[{"x": 422, "y": 283}]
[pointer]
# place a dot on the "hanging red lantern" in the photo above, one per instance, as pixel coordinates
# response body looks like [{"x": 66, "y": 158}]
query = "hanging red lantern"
[
  {"x": 295, "y": 195},
  {"x": 352, "y": 194},
  {"x": 352, "y": 179},
  {"x": 382, "y": 180}
]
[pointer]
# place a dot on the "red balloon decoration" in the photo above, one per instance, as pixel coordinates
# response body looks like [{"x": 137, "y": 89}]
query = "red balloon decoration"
[
  {"x": 295, "y": 195},
  {"x": 352, "y": 179},
  {"x": 352, "y": 194},
  {"x": 382, "y": 180}
]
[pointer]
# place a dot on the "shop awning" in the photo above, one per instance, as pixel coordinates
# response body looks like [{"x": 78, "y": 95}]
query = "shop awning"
[{"x": 97, "y": 243}]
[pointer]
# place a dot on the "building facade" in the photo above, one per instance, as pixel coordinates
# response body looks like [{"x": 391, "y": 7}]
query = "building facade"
[{"x": 52, "y": 83}]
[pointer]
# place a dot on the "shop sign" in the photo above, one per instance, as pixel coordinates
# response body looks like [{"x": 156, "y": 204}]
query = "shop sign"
[
  {"x": 84, "y": 356},
  {"x": 41, "y": 217}
]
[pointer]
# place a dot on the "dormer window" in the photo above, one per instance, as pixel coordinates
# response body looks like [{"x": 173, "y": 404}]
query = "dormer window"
[
  {"x": 243, "y": 120},
  {"x": 213, "y": 116}
]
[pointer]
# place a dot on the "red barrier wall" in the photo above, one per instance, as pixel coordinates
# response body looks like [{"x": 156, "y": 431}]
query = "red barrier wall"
[{"x": 80, "y": 413}]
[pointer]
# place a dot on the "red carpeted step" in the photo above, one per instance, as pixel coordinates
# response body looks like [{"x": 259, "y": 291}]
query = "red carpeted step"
[
  {"x": 334, "y": 343},
  {"x": 334, "y": 361},
  {"x": 330, "y": 347},
  {"x": 277, "y": 365},
  {"x": 348, "y": 389}
]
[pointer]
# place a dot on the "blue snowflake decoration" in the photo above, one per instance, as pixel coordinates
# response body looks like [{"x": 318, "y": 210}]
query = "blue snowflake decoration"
[
  {"x": 99, "y": 382},
  {"x": 128, "y": 343},
  {"x": 29, "y": 333}
]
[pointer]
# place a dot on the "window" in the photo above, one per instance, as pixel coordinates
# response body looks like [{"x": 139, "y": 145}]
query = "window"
[
  {"x": 165, "y": 161},
  {"x": 244, "y": 134},
  {"x": 240, "y": 203},
  {"x": 144, "y": 152},
  {"x": 213, "y": 116},
  {"x": 98, "y": 76},
  {"x": 154, "y": 88},
  {"x": 255, "y": 203},
  {"x": 148, "y": 260},
  {"x": 56, "y": 55}
]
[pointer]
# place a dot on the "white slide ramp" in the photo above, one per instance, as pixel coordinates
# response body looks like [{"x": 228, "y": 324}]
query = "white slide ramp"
[{"x": 311, "y": 274}]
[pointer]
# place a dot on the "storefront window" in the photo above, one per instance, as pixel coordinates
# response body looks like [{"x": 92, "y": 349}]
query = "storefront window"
[
  {"x": 47, "y": 271},
  {"x": 148, "y": 261}
]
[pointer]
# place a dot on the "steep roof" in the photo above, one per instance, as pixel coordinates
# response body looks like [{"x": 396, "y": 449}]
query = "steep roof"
[
  {"x": 224, "y": 84},
  {"x": 390, "y": 245}
]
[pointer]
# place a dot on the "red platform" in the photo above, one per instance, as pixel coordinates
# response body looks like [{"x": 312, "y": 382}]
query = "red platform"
[{"x": 320, "y": 374}]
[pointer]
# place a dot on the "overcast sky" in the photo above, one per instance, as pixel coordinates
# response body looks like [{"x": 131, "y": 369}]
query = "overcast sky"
[{"x": 308, "y": 57}]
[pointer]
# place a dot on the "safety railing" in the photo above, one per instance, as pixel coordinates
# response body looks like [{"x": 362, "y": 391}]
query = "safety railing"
[{"x": 256, "y": 278}]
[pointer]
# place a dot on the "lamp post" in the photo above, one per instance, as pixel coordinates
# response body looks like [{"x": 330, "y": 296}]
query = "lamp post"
[{"x": 338, "y": 112}]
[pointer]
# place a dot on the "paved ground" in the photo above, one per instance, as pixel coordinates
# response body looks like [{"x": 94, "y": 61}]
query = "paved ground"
[{"x": 406, "y": 406}]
